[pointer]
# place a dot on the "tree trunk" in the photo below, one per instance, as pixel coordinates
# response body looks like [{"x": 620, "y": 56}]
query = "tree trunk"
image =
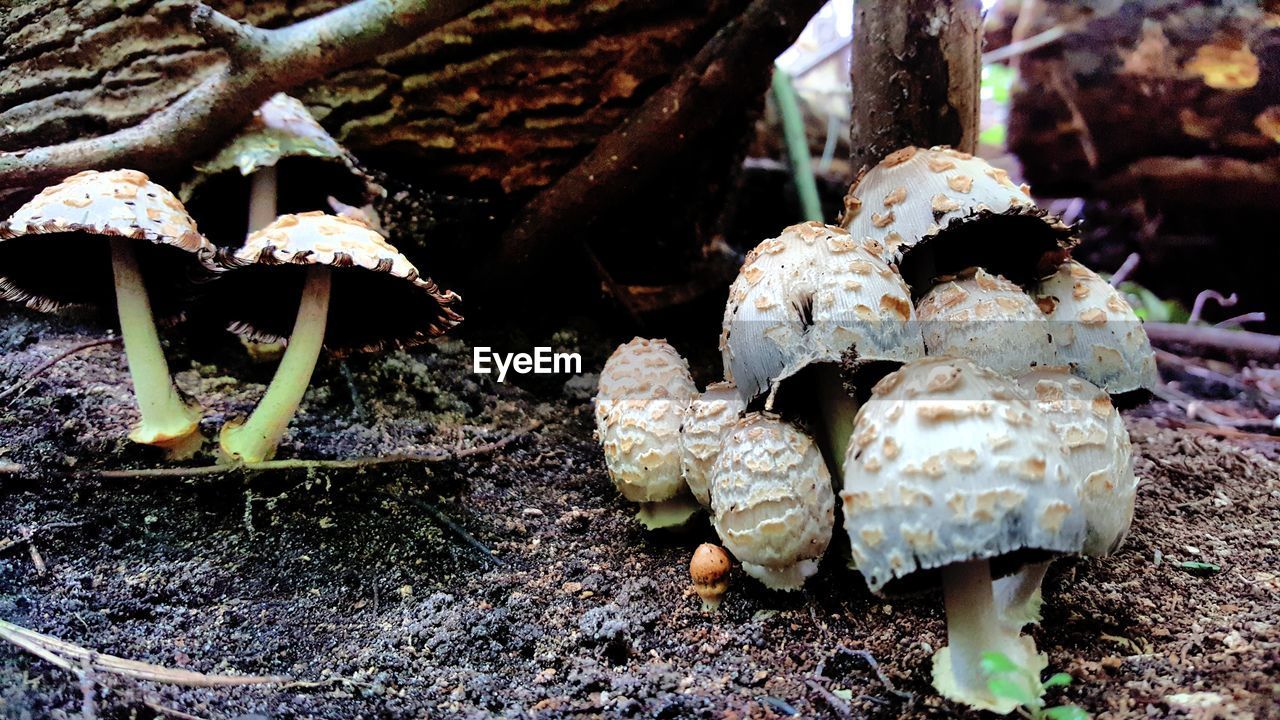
[{"x": 916, "y": 72}]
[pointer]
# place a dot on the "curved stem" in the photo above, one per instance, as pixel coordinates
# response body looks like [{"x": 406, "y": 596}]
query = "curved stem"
[
  {"x": 166, "y": 421},
  {"x": 1018, "y": 596},
  {"x": 256, "y": 440}
]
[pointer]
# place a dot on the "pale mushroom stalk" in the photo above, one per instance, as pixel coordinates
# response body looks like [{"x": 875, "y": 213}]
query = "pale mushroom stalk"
[
  {"x": 839, "y": 411},
  {"x": 1018, "y": 596},
  {"x": 256, "y": 440},
  {"x": 262, "y": 198},
  {"x": 975, "y": 626},
  {"x": 166, "y": 420}
]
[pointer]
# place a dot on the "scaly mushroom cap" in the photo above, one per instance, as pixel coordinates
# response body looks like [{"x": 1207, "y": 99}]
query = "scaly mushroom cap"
[
  {"x": 951, "y": 462},
  {"x": 53, "y": 250},
  {"x": 645, "y": 389},
  {"x": 378, "y": 299},
  {"x": 771, "y": 500},
  {"x": 813, "y": 294},
  {"x": 986, "y": 319},
  {"x": 1099, "y": 456},
  {"x": 706, "y": 422},
  {"x": 962, "y": 209},
  {"x": 281, "y": 134},
  {"x": 1096, "y": 331}
]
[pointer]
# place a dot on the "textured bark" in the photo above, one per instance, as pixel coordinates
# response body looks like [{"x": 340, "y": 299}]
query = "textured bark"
[
  {"x": 1176, "y": 102},
  {"x": 509, "y": 97},
  {"x": 916, "y": 73}
]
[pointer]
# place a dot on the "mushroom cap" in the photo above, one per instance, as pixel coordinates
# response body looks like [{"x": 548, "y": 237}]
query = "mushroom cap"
[
  {"x": 813, "y": 294},
  {"x": 74, "y": 218},
  {"x": 645, "y": 388},
  {"x": 281, "y": 134},
  {"x": 1099, "y": 456},
  {"x": 1095, "y": 330},
  {"x": 950, "y": 462},
  {"x": 771, "y": 500},
  {"x": 964, "y": 210},
  {"x": 377, "y": 299},
  {"x": 706, "y": 422},
  {"x": 986, "y": 319}
]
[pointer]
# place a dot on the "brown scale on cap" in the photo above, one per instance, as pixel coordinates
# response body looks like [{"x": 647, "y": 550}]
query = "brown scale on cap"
[
  {"x": 379, "y": 298},
  {"x": 68, "y": 264}
]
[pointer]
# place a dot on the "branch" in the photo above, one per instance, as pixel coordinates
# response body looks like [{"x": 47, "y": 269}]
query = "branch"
[
  {"x": 659, "y": 133},
  {"x": 1257, "y": 345},
  {"x": 260, "y": 64}
]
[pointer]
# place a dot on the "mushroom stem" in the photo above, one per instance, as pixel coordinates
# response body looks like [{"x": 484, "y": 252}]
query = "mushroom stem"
[
  {"x": 975, "y": 627},
  {"x": 166, "y": 421},
  {"x": 669, "y": 513},
  {"x": 262, "y": 198},
  {"x": 256, "y": 440},
  {"x": 839, "y": 411},
  {"x": 1018, "y": 596}
]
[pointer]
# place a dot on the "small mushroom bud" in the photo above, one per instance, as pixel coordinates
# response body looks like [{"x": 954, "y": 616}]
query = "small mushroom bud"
[{"x": 709, "y": 570}]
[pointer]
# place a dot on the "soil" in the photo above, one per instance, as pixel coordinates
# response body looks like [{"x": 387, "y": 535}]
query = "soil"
[{"x": 364, "y": 586}]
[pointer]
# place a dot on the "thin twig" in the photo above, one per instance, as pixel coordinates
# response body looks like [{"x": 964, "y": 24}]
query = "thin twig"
[
  {"x": 1239, "y": 320},
  {"x": 838, "y": 706},
  {"x": 870, "y": 660},
  {"x": 309, "y": 465},
  {"x": 1203, "y": 297},
  {"x": 27, "y": 534},
  {"x": 1026, "y": 45},
  {"x": 461, "y": 532},
  {"x": 260, "y": 64},
  {"x": 43, "y": 367}
]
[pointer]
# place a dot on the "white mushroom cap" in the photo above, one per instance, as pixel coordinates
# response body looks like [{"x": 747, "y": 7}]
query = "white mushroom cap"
[
  {"x": 810, "y": 295},
  {"x": 706, "y": 422},
  {"x": 771, "y": 500},
  {"x": 645, "y": 388},
  {"x": 951, "y": 462},
  {"x": 1099, "y": 456},
  {"x": 914, "y": 196},
  {"x": 1096, "y": 331},
  {"x": 986, "y": 319}
]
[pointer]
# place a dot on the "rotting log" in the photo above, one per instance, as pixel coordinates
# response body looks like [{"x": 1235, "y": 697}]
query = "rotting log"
[{"x": 916, "y": 73}]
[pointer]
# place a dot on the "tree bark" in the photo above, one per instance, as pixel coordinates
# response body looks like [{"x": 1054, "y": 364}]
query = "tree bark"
[{"x": 916, "y": 72}]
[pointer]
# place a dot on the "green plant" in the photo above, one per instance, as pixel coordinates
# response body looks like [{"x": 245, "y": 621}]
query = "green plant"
[{"x": 1007, "y": 679}]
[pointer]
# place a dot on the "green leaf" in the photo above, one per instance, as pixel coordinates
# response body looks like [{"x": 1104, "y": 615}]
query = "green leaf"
[
  {"x": 1014, "y": 690},
  {"x": 1065, "y": 712},
  {"x": 1058, "y": 680},
  {"x": 993, "y": 135},
  {"x": 843, "y": 694},
  {"x": 1199, "y": 568},
  {"x": 994, "y": 663}
]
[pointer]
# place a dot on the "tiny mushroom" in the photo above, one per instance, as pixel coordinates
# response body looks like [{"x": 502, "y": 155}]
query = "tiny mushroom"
[
  {"x": 954, "y": 475},
  {"x": 1099, "y": 460},
  {"x": 771, "y": 500},
  {"x": 103, "y": 238},
  {"x": 816, "y": 296},
  {"x": 282, "y": 161},
  {"x": 706, "y": 422},
  {"x": 645, "y": 389},
  {"x": 709, "y": 570},
  {"x": 939, "y": 211},
  {"x": 1096, "y": 332},
  {"x": 987, "y": 319},
  {"x": 357, "y": 293}
]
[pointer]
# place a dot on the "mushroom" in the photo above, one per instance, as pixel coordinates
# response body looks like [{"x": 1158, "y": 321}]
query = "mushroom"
[
  {"x": 281, "y": 161},
  {"x": 709, "y": 570},
  {"x": 987, "y": 319},
  {"x": 954, "y": 475},
  {"x": 115, "y": 230},
  {"x": 1096, "y": 332},
  {"x": 771, "y": 500},
  {"x": 1100, "y": 462},
  {"x": 706, "y": 422},
  {"x": 645, "y": 389},
  {"x": 816, "y": 296},
  {"x": 357, "y": 293},
  {"x": 939, "y": 211}
]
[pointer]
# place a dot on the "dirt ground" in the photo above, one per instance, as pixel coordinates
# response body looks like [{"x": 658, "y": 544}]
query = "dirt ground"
[{"x": 361, "y": 585}]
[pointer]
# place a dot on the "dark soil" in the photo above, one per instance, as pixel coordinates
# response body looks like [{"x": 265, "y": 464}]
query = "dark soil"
[{"x": 353, "y": 583}]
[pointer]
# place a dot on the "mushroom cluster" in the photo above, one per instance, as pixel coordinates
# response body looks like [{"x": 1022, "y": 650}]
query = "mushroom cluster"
[
  {"x": 942, "y": 357},
  {"x": 307, "y": 277}
]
